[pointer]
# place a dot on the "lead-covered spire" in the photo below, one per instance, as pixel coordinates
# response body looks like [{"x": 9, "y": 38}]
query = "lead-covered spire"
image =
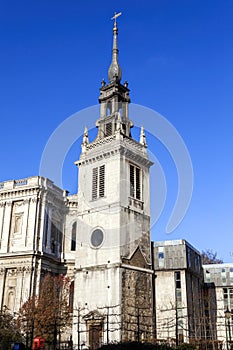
[
  {"x": 114, "y": 72},
  {"x": 114, "y": 98}
]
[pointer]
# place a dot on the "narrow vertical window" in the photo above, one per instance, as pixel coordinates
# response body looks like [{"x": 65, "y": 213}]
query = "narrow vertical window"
[
  {"x": 225, "y": 297},
  {"x": 138, "y": 183},
  {"x": 131, "y": 180},
  {"x": 73, "y": 236},
  {"x": 101, "y": 180},
  {"x": 177, "y": 279},
  {"x": 231, "y": 299},
  {"x": 108, "y": 130},
  {"x": 98, "y": 182},
  {"x": 161, "y": 256},
  {"x": 224, "y": 277},
  {"x": 71, "y": 296},
  {"x": 179, "y": 311},
  {"x": 231, "y": 276},
  {"x": 94, "y": 183},
  {"x": 135, "y": 182}
]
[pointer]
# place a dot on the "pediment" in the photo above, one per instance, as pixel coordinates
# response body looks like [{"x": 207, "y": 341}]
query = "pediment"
[
  {"x": 137, "y": 259},
  {"x": 93, "y": 315}
]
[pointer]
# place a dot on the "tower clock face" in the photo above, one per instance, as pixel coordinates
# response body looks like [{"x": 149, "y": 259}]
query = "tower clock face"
[{"x": 97, "y": 238}]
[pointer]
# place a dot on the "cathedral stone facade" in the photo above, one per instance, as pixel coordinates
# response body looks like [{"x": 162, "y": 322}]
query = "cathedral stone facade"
[{"x": 32, "y": 213}]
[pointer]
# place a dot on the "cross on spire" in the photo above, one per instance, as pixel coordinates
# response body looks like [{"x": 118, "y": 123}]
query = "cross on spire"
[{"x": 116, "y": 15}]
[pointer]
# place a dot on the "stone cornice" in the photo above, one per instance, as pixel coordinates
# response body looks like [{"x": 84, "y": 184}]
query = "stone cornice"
[
  {"x": 18, "y": 192},
  {"x": 112, "y": 266},
  {"x": 126, "y": 147},
  {"x": 136, "y": 268}
]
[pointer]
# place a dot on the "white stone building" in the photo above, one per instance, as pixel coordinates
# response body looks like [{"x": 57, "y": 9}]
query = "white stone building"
[{"x": 32, "y": 215}]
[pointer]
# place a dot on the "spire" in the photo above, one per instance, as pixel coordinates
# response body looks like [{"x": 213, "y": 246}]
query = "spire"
[{"x": 114, "y": 72}]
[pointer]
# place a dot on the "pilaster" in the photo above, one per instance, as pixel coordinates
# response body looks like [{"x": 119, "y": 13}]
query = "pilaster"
[
  {"x": 6, "y": 226},
  {"x": 32, "y": 223},
  {"x": 2, "y": 214}
]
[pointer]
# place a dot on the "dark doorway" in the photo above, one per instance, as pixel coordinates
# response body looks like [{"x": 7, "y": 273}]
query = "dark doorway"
[{"x": 95, "y": 336}]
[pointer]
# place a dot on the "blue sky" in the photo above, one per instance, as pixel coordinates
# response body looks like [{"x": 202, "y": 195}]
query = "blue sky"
[{"x": 177, "y": 57}]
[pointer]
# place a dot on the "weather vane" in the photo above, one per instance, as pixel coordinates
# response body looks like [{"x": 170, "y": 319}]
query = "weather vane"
[{"x": 115, "y": 17}]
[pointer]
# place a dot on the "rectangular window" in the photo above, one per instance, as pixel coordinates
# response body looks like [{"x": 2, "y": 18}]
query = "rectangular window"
[
  {"x": 135, "y": 182},
  {"x": 231, "y": 298},
  {"x": 101, "y": 180},
  {"x": 138, "y": 183},
  {"x": 131, "y": 180},
  {"x": 225, "y": 297},
  {"x": 228, "y": 298},
  {"x": 223, "y": 275},
  {"x": 98, "y": 182},
  {"x": 179, "y": 311},
  {"x": 177, "y": 279},
  {"x": 94, "y": 183},
  {"x": 161, "y": 256},
  {"x": 108, "y": 130},
  {"x": 71, "y": 296},
  {"x": 73, "y": 236},
  {"x": 231, "y": 275}
]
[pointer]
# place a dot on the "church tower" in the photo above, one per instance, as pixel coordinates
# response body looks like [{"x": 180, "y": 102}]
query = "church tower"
[{"x": 113, "y": 275}]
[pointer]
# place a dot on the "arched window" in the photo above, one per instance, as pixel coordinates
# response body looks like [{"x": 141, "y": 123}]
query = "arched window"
[{"x": 73, "y": 236}]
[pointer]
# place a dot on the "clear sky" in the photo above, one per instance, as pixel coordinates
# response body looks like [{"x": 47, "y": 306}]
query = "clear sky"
[{"x": 178, "y": 59}]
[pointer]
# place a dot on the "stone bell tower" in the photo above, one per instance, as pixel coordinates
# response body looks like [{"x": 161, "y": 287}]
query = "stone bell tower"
[{"x": 113, "y": 276}]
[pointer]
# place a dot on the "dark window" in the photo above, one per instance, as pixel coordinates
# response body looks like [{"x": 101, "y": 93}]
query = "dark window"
[
  {"x": 98, "y": 182},
  {"x": 101, "y": 180},
  {"x": 231, "y": 275},
  {"x": 94, "y": 183},
  {"x": 177, "y": 279},
  {"x": 161, "y": 255},
  {"x": 73, "y": 236},
  {"x": 131, "y": 180},
  {"x": 138, "y": 183},
  {"x": 135, "y": 182},
  {"x": 108, "y": 130},
  {"x": 71, "y": 296}
]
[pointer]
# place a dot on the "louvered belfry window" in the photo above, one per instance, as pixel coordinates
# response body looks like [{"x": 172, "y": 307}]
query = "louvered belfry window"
[
  {"x": 108, "y": 129},
  {"x": 98, "y": 182},
  {"x": 101, "y": 180},
  {"x": 135, "y": 182},
  {"x": 94, "y": 183},
  {"x": 131, "y": 180}
]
